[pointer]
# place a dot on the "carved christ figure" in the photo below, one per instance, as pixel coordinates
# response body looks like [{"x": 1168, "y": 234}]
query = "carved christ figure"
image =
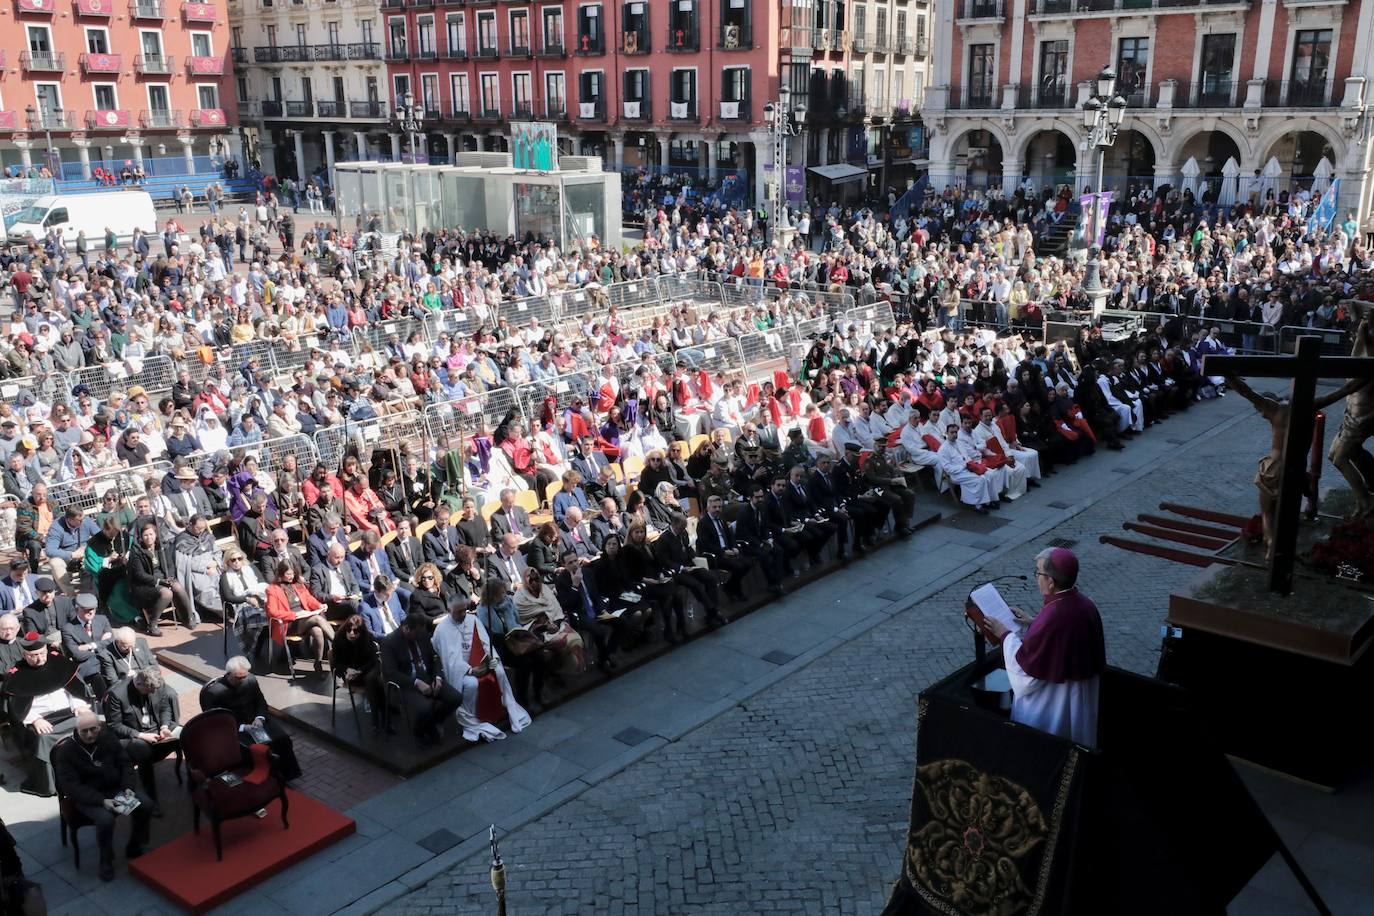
[{"x": 1348, "y": 453}]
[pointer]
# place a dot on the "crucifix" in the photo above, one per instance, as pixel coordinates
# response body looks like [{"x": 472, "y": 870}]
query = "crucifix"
[{"x": 1293, "y": 425}]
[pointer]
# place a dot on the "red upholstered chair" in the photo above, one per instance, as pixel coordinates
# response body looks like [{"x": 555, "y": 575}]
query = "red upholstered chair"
[{"x": 211, "y": 744}]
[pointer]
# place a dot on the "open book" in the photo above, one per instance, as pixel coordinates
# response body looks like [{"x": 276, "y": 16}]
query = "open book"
[{"x": 986, "y": 601}]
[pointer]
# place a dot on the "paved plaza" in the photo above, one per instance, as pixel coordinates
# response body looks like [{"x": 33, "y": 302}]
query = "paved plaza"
[{"x": 767, "y": 767}]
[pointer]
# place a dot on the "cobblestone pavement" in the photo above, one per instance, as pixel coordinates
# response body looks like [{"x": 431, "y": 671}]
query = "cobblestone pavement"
[{"x": 796, "y": 800}]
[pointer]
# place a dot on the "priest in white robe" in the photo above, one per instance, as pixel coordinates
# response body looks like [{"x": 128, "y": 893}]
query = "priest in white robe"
[
  {"x": 1055, "y": 661},
  {"x": 1001, "y": 477},
  {"x": 976, "y": 490},
  {"x": 916, "y": 439},
  {"x": 1020, "y": 473},
  {"x": 470, "y": 662}
]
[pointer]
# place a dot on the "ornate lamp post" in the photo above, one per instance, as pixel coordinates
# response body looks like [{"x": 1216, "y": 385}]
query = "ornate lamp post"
[
  {"x": 1103, "y": 113},
  {"x": 784, "y": 122},
  {"x": 41, "y": 119},
  {"x": 409, "y": 119}
]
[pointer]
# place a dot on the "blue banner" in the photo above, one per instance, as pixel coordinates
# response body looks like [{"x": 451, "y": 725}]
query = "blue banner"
[{"x": 1324, "y": 213}]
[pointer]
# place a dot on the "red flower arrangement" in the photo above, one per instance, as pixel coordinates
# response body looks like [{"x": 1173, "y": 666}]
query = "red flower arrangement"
[{"x": 1350, "y": 546}]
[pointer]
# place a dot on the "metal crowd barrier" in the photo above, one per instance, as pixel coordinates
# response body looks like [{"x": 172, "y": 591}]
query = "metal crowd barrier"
[
  {"x": 272, "y": 452},
  {"x": 563, "y": 389},
  {"x": 875, "y": 317},
  {"x": 1335, "y": 341},
  {"x": 764, "y": 351},
  {"x": 447, "y": 423},
  {"x": 156, "y": 375},
  {"x": 378, "y": 334},
  {"x": 87, "y": 493},
  {"x": 396, "y": 431}
]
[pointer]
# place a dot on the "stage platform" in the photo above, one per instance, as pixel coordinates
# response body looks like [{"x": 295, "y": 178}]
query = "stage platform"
[
  {"x": 186, "y": 871},
  {"x": 305, "y": 701}
]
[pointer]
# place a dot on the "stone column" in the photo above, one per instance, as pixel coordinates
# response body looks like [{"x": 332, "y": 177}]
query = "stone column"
[
  {"x": 619, "y": 143},
  {"x": 763, "y": 155},
  {"x": 329, "y": 155},
  {"x": 188, "y": 151},
  {"x": 663, "y": 152},
  {"x": 1167, "y": 173},
  {"x": 138, "y": 151},
  {"x": 300, "y": 156},
  {"x": 1011, "y": 174},
  {"x": 360, "y": 139},
  {"x": 704, "y": 155},
  {"x": 452, "y": 140},
  {"x": 395, "y": 147},
  {"x": 823, "y": 156},
  {"x": 25, "y": 152},
  {"x": 83, "y": 149}
]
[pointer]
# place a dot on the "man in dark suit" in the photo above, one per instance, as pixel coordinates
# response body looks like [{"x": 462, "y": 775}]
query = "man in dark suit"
[
  {"x": 237, "y": 690},
  {"x": 93, "y": 768},
  {"x": 48, "y": 611},
  {"x": 146, "y": 716},
  {"x": 608, "y": 523},
  {"x": 510, "y": 518},
  {"x": 868, "y": 513},
  {"x": 126, "y": 653},
  {"x": 84, "y": 639},
  {"x": 408, "y": 660},
  {"x": 381, "y": 609},
  {"x": 507, "y": 565},
  {"x": 331, "y": 532},
  {"x": 586, "y": 460},
  {"x": 370, "y": 561},
  {"x": 674, "y": 550},
  {"x": 405, "y": 552},
  {"x": 17, "y": 589},
  {"x": 574, "y": 535},
  {"x": 799, "y": 506},
  {"x": 716, "y": 542},
  {"x": 282, "y": 551},
  {"x": 441, "y": 541},
  {"x": 756, "y": 537},
  {"x": 333, "y": 584},
  {"x": 779, "y": 514},
  {"x": 825, "y": 496},
  {"x": 582, "y": 604}
]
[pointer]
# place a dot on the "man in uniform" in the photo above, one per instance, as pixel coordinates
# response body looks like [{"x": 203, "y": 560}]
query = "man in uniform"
[
  {"x": 879, "y": 472},
  {"x": 868, "y": 511},
  {"x": 717, "y": 483},
  {"x": 796, "y": 454}
]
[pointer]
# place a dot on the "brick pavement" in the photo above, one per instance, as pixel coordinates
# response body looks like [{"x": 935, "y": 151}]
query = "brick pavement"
[{"x": 796, "y": 800}]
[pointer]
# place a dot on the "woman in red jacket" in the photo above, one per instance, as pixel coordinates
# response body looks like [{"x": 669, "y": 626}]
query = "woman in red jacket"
[{"x": 294, "y": 611}]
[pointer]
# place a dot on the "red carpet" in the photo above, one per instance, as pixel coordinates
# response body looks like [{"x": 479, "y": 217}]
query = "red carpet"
[{"x": 254, "y": 848}]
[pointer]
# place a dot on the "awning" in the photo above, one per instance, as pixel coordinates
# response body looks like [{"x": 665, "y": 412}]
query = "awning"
[{"x": 840, "y": 172}]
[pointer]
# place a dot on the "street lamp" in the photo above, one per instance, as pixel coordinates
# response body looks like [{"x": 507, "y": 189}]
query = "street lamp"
[
  {"x": 785, "y": 122},
  {"x": 34, "y": 121},
  {"x": 409, "y": 118},
  {"x": 1103, "y": 113}
]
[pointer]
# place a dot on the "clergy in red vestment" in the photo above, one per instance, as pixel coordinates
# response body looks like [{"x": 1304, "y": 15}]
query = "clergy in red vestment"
[{"x": 1055, "y": 661}]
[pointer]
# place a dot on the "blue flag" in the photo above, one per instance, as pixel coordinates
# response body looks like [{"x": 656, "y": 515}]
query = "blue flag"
[{"x": 1324, "y": 214}]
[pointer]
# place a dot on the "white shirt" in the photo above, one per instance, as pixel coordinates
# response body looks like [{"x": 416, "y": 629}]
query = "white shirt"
[{"x": 1068, "y": 710}]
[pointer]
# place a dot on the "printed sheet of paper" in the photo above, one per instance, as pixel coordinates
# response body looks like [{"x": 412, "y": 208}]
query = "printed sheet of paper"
[{"x": 992, "y": 604}]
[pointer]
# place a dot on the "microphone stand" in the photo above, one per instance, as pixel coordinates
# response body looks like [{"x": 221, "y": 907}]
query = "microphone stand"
[{"x": 980, "y": 642}]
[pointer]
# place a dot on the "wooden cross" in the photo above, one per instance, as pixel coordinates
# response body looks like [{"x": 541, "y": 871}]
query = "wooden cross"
[{"x": 1304, "y": 367}]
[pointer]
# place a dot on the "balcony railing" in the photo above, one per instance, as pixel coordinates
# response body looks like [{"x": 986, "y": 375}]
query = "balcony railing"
[
  {"x": 198, "y": 11},
  {"x": 366, "y": 110},
  {"x": 397, "y": 53},
  {"x": 553, "y": 49},
  {"x": 916, "y": 47},
  {"x": 1209, "y": 93},
  {"x": 426, "y": 54},
  {"x": 487, "y": 114},
  {"x": 95, "y": 62},
  {"x": 207, "y": 117},
  {"x": 587, "y": 44},
  {"x": 52, "y": 119},
  {"x": 108, "y": 119},
  {"x": 271, "y": 108},
  {"x": 522, "y": 111},
  {"x": 42, "y": 60},
  {"x": 456, "y": 53},
  {"x": 594, "y": 110},
  {"x": 300, "y": 109},
  {"x": 962, "y": 99},
  {"x": 239, "y": 55},
  {"x": 556, "y": 111},
  {"x": 153, "y": 64},
  {"x": 637, "y": 110},
  {"x": 984, "y": 9},
  {"x": 490, "y": 52},
  {"x": 458, "y": 111},
  {"x": 1061, "y": 7},
  {"x": 735, "y": 36},
  {"x": 520, "y": 50},
  {"x": 204, "y": 65},
  {"x": 682, "y": 40},
  {"x": 864, "y": 43},
  {"x": 161, "y": 118},
  {"x": 801, "y": 37},
  {"x": 332, "y": 109},
  {"x": 682, "y": 111},
  {"x": 1297, "y": 94},
  {"x": 147, "y": 9},
  {"x": 282, "y": 54},
  {"x": 1054, "y": 95}
]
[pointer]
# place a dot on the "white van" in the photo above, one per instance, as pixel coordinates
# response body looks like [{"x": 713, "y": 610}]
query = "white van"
[{"x": 122, "y": 211}]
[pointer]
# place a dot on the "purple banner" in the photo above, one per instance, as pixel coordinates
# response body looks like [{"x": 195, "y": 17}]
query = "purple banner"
[
  {"x": 1097, "y": 208},
  {"x": 796, "y": 185},
  {"x": 1104, "y": 209}
]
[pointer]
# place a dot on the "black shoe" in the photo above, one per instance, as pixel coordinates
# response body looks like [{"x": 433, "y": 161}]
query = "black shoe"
[
  {"x": 154, "y": 629},
  {"x": 981, "y": 510},
  {"x": 319, "y": 667},
  {"x": 106, "y": 870}
]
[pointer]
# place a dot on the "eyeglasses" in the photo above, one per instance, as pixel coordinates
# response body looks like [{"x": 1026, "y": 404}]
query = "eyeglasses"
[{"x": 426, "y": 578}]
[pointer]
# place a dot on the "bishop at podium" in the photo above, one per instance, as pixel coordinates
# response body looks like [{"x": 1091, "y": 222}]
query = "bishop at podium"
[{"x": 1055, "y": 663}]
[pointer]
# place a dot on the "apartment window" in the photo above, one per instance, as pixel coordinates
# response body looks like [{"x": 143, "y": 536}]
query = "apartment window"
[
  {"x": 242, "y": 84},
  {"x": 589, "y": 34},
  {"x": 429, "y": 94},
  {"x": 456, "y": 30},
  {"x": 200, "y": 44},
  {"x": 589, "y": 86},
  {"x": 553, "y": 28},
  {"x": 301, "y": 35},
  {"x": 1218, "y": 58},
  {"x": 682, "y": 25},
  {"x": 520, "y": 31},
  {"x": 458, "y": 88},
  {"x": 899, "y": 88},
  {"x": 486, "y": 33},
  {"x": 980, "y": 64},
  {"x": 491, "y": 94},
  {"x": 878, "y": 91},
  {"x": 682, "y": 93},
  {"x": 1311, "y": 57},
  {"x": 1054, "y": 72},
  {"x": 48, "y": 96},
  {"x": 158, "y": 99},
  {"x": 634, "y": 19},
  {"x": 207, "y": 96},
  {"x": 366, "y": 31},
  {"x": 97, "y": 41},
  {"x": 332, "y": 31},
  {"x": 396, "y": 30},
  {"x": 1132, "y": 59},
  {"x": 400, "y": 86},
  {"x": 736, "y": 25},
  {"x": 277, "y": 92},
  {"x": 555, "y": 94},
  {"x": 307, "y": 90},
  {"x": 635, "y": 94},
  {"x": 40, "y": 41},
  {"x": 271, "y": 36},
  {"x": 105, "y": 99},
  {"x": 424, "y": 38},
  {"x": 522, "y": 93},
  {"x": 880, "y": 26},
  {"x": 734, "y": 93},
  {"x": 236, "y": 36},
  {"x": 373, "y": 89},
  {"x": 339, "y": 93},
  {"x": 860, "y": 21},
  {"x": 899, "y": 32}
]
